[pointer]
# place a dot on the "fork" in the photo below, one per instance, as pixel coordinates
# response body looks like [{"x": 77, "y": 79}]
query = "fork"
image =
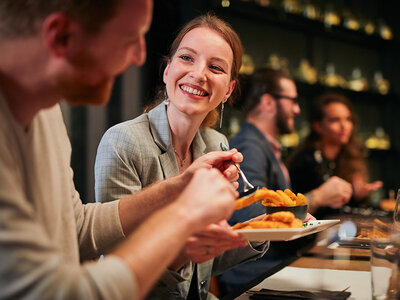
[{"x": 248, "y": 188}]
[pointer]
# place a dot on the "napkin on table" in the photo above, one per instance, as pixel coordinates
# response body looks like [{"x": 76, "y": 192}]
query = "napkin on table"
[{"x": 279, "y": 295}]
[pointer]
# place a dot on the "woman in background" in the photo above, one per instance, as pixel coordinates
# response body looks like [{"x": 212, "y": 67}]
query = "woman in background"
[
  {"x": 201, "y": 74},
  {"x": 331, "y": 149}
]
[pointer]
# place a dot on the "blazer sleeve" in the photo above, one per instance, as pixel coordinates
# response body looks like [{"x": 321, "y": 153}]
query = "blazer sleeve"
[
  {"x": 116, "y": 173},
  {"x": 233, "y": 257}
]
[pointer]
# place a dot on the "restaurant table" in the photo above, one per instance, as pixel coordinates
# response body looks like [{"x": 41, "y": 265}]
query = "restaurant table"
[{"x": 326, "y": 266}]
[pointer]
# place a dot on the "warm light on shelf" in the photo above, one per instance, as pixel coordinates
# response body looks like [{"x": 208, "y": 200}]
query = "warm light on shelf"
[{"x": 225, "y": 3}]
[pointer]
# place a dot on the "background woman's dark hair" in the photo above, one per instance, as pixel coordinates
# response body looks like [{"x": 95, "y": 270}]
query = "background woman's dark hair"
[
  {"x": 210, "y": 21},
  {"x": 351, "y": 158},
  {"x": 262, "y": 81}
]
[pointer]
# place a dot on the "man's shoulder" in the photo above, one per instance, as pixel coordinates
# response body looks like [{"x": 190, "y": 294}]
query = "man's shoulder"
[{"x": 248, "y": 136}]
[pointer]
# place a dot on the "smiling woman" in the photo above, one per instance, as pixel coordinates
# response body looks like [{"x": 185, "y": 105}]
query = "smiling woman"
[{"x": 201, "y": 72}]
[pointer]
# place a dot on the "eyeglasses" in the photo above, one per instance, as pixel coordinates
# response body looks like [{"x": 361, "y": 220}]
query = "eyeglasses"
[{"x": 277, "y": 96}]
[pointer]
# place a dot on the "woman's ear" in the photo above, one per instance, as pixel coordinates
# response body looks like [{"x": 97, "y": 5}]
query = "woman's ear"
[
  {"x": 231, "y": 87},
  {"x": 165, "y": 74},
  {"x": 57, "y": 30}
]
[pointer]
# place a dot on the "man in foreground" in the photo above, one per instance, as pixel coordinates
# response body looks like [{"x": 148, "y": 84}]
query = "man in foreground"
[{"x": 65, "y": 49}]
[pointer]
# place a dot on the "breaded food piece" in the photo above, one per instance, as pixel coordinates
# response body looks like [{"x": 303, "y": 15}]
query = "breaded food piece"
[
  {"x": 264, "y": 194},
  {"x": 291, "y": 195},
  {"x": 301, "y": 199},
  {"x": 282, "y": 219},
  {"x": 240, "y": 225},
  {"x": 245, "y": 201},
  {"x": 287, "y": 201},
  {"x": 250, "y": 199},
  {"x": 272, "y": 198},
  {"x": 296, "y": 223},
  {"x": 258, "y": 224},
  {"x": 275, "y": 224},
  {"x": 280, "y": 216}
]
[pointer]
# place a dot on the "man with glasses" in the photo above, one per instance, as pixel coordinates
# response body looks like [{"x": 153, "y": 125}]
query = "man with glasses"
[{"x": 270, "y": 106}]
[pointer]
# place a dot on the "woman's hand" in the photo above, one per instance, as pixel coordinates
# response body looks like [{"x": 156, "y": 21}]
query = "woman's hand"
[
  {"x": 221, "y": 160},
  {"x": 309, "y": 217},
  {"x": 362, "y": 189}
]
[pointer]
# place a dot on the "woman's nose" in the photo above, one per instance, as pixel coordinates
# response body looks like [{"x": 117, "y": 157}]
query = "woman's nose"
[{"x": 199, "y": 72}]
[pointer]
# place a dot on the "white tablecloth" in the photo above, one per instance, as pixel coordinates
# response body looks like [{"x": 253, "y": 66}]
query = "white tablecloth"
[{"x": 290, "y": 279}]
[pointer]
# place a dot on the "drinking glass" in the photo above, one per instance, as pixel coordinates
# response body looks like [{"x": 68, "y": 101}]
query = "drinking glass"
[
  {"x": 384, "y": 261},
  {"x": 396, "y": 213}
]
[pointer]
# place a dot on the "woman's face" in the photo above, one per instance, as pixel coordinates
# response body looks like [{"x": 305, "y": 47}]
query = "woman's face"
[
  {"x": 336, "y": 126},
  {"x": 198, "y": 76}
]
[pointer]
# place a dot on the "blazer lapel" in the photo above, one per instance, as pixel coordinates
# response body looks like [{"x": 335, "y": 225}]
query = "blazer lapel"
[
  {"x": 161, "y": 132},
  {"x": 199, "y": 147}
]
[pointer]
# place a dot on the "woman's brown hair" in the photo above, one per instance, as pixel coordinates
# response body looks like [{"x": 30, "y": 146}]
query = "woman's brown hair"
[
  {"x": 226, "y": 31},
  {"x": 351, "y": 158}
]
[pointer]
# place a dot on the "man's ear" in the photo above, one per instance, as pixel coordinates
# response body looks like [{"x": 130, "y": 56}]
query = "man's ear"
[
  {"x": 57, "y": 30},
  {"x": 267, "y": 102}
]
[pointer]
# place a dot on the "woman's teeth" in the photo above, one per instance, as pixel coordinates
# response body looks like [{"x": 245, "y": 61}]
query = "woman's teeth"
[{"x": 192, "y": 91}]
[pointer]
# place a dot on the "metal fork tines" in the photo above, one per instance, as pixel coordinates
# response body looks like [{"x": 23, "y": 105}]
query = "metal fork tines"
[{"x": 246, "y": 184}]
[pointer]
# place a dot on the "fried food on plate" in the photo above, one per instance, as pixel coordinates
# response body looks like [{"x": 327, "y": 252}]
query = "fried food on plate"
[
  {"x": 272, "y": 198},
  {"x": 301, "y": 199},
  {"x": 282, "y": 219}
]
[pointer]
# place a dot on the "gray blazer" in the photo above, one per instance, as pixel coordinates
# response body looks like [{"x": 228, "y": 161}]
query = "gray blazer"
[{"x": 137, "y": 153}]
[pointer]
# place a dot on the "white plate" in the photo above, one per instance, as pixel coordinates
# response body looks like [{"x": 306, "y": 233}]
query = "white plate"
[{"x": 286, "y": 234}]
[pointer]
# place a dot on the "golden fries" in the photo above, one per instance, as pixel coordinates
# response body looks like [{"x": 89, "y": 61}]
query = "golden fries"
[
  {"x": 272, "y": 198},
  {"x": 301, "y": 199}
]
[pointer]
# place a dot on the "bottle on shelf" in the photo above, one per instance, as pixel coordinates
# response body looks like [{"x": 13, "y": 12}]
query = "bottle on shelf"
[
  {"x": 357, "y": 82},
  {"x": 306, "y": 73},
  {"x": 369, "y": 27},
  {"x": 379, "y": 140},
  {"x": 309, "y": 10},
  {"x": 381, "y": 85},
  {"x": 331, "y": 16},
  {"x": 384, "y": 30},
  {"x": 331, "y": 79},
  {"x": 274, "y": 62},
  {"x": 350, "y": 21},
  {"x": 247, "y": 65},
  {"x": 291, "y": 6}
]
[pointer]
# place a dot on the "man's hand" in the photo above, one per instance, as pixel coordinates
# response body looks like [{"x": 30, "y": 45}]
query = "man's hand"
[
  {"x": 211, "y": 241},
  {"x": 221, "y": 160},
  {"x": 209, "y": 197}
]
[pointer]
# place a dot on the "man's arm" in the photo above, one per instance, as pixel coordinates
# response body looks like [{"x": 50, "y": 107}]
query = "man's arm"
[
  {"x": 208, "y": 198},
  {"x": 135, "y": 208}
]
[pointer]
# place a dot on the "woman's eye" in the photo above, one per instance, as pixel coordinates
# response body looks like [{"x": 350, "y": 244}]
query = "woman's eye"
[
  {"x": 216, "y": 68},
  {"x": 185, "y": 57}
]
